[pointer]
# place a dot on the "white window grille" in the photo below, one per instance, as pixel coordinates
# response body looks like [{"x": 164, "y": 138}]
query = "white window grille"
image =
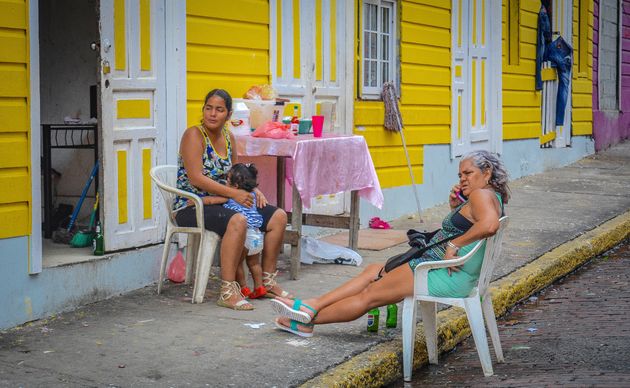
[{"x": 379, "y": 46}]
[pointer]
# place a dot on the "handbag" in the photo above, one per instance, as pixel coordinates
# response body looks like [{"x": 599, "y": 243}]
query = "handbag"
[{"x": 419, "y": 242}]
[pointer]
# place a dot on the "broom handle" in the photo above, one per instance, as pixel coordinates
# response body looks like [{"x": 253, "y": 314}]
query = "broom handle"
[{"x": 402, "y": 136}]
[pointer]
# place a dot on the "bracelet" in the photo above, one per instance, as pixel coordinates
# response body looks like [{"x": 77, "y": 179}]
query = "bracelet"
[{"x": 451, "y": 245}]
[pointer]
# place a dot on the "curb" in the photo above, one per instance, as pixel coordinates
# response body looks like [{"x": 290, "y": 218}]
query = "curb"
[{"x": 382, "y": 364}]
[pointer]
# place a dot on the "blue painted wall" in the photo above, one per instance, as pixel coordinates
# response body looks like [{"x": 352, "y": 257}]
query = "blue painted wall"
[{"x": 25, "y": 297}]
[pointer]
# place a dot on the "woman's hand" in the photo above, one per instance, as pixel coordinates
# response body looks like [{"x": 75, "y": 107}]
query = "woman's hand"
[
  {"x": 243, "y": 197},
  {"x": 450, "y": 254},
  {"x": 261, "y": 201},
  {"x": 453, "y": 201}
]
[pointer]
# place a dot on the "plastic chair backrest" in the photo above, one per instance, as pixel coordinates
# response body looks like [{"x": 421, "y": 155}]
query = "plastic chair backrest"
[
  {"x": 492, "y": 253},
  {"x": 165, "y": 177}
]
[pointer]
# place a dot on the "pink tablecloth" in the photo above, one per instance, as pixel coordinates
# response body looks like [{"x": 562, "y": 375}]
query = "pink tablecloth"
[{"x": 325, "y": 165}]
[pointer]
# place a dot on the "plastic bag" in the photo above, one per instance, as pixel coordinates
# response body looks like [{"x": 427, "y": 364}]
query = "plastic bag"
[
  {"x": 177, "y": 269},
  {"x": 261, "y": 92},
  {"x": 274, "y": 130},
  {"x": 253, "y": 241},
  {"x": 317, "y": 251}
]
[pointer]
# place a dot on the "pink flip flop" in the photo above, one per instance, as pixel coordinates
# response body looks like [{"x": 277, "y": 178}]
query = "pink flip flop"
[{"x": 377, "y": 223}]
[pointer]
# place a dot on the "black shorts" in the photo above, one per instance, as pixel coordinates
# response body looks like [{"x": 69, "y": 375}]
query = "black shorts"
[{"x": 216, "y": 217}]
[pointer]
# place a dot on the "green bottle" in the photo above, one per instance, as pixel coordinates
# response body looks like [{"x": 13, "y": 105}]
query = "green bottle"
[
  {"x": 372, "y": 323},
  {"x": 392, "y": 315},
  {"x": 97, "y": 243}
]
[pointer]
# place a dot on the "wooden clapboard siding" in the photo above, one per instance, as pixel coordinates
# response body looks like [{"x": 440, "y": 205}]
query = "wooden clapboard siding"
[
  {"x": 425, "y": 77},
  {"x": 15, "y": 181},
  {"x": 227, "y": 46},
  {"x": 582, "y": 83}
]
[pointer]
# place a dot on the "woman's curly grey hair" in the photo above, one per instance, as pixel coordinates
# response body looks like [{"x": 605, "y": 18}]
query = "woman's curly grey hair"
[{"x": 499, "y": 178}]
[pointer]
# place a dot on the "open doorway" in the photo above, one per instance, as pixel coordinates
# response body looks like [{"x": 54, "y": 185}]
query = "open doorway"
[{"x": 68, "y": 112}]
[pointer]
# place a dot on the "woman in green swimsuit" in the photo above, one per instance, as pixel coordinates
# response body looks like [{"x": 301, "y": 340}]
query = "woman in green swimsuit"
[
  {"x": 206, "y": 154},
  {"x": 483, "y": 180}
]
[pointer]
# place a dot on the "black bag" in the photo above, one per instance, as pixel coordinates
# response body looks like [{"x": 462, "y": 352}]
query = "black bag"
[{"x": 419, "y": 242}]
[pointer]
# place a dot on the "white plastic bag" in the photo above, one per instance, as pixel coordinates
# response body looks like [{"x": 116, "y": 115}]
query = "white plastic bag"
[
  {"x": 253, "y": 241},
  {"x": 317, "y": 251}
]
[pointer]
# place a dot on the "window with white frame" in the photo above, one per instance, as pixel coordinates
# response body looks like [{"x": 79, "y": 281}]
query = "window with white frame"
[{"x": 379, "y": 46}]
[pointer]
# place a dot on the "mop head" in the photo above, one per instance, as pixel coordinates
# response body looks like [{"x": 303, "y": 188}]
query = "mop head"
[
  {"x": 63, "y": 235},
  {"x": 393, "y": 118}
]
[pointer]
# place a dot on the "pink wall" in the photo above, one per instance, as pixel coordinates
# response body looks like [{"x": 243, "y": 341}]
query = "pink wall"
[{"x": 610, "y": 128}]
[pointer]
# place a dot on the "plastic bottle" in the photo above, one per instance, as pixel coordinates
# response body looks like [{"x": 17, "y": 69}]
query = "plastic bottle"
[
  {"x": 392, "y": 315},
  {"x": 98, "y": 243},
  {"x": 295, "y": 119},
  {"x": 373, "y": 318}
]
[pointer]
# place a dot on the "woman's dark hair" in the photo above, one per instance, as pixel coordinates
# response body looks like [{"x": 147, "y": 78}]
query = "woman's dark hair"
[
  {"x": 243, "y": 176},
  {"x": 485, "y": 160},
  {"x": 221, "y": 93}
]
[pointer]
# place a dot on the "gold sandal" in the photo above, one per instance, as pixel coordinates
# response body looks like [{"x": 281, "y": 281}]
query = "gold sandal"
[
  {"x": 269, "y": 281},
  {"x": 229, "y": 289}
]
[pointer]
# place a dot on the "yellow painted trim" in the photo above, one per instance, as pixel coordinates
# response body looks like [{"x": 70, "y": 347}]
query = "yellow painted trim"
[
  {"x": 333, "y": 40},
  {"x": 459, "y": 25},
  {"x": 483, "y": 22},
  {"x": 459, "y": 116},
  {"x": 145, "y": 35},
  {"x": 474, "y": 22},
  {"x": 296, "y": 39},
  {"x": 120, "y": 59},
  {"x": 319, "y": 73},
  {"x": 583, "y": 36},
  {"x": 122, "y": 186},
  {"x": 279, "y": 38},
  {"x": 147, "y": 188},
  {"x": 133, "y": 109},
  {"x": 483, "y": 92},
  {"x": 513, "y": 31},
  {"x": 547, "y": 138},
  {"x": 549, "y": 74},
  {"x": 458, "y": 71},
  {"x": 473, "y": 110}
]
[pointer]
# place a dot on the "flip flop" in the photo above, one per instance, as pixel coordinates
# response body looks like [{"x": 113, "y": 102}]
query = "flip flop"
[
  {"x": 294, "y": 313},
  {"x": 293, "y": 329},
  {"x": 377, "y": 223}
]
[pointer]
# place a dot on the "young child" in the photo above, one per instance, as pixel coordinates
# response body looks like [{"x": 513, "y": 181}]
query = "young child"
[{"x": 243, "y": 176}]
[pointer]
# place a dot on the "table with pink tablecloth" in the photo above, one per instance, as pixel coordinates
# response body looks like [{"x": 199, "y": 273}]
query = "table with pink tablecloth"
[{"x": 326, "y": 165}]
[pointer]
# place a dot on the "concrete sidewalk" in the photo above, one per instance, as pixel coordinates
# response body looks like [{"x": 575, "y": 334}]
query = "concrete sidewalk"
[{"x": 559, "y": 219}]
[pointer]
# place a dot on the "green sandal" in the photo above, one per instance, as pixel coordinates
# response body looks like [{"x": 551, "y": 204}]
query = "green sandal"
[
  {"x": 293, "y": 328},
  {"x": 293, "y": 312}
]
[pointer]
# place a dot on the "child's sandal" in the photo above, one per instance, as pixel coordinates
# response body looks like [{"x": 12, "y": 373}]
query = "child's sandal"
[
  {"x": 258, "y": 292},
  {"x": 246, "y": 292}
]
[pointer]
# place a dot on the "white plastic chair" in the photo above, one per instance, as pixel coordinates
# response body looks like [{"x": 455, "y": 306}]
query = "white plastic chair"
[
  {"x": 202, "y": 243},
  {"x": 478, "y": 305}
]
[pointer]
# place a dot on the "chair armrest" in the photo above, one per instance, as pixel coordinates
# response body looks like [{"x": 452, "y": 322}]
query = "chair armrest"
[{"x": 421, "y": 272}]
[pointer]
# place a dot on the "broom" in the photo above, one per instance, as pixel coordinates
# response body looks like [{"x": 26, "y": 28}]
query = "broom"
[
  {"x": 84, "y": 238},
  {"x": 393, "y": 122}
]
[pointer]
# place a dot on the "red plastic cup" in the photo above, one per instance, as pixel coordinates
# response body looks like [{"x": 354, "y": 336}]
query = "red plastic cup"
[{"x": 318, "y": 125}]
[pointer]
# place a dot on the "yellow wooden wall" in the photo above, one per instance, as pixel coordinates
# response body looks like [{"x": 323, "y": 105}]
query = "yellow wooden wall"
[
  {"x": 582, "y": 83},
  {"x": 521, "y": 103},
  {"x": 15, "y": 182},
  {"x": 425, "y": 92},
  {"x": 227, "y": 47}
]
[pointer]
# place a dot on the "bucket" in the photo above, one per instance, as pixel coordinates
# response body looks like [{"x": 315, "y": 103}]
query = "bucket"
[{"x": 239, "y": 123}]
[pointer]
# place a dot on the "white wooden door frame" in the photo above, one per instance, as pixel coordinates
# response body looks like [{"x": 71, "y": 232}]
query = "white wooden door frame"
[
  {"x": 461, "y": 78},
  {"x": 35, "y": 238},
  {"x": 563, "y": 23}
]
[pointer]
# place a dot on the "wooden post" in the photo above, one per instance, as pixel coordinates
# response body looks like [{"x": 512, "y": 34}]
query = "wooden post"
[
  {"x": 354, "y": 220},
  {"x": 296, "y": 225}
]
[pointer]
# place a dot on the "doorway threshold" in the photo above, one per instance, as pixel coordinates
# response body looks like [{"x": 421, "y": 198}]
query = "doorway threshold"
[{"x": 58, "y": 255}]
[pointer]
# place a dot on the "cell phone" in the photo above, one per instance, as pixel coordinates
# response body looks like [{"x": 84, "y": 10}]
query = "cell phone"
[{"x": 461, "y": 196}]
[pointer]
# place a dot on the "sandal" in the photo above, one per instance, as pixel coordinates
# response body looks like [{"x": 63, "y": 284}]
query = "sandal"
[
  {"x": 293, "y": 328},
  {"x": 246, "y": 292},
  {"x": 269, "y": 281},
  {"x": 377, "y": 223},
  {"x": 293, "y": 312},
  {"x": 229, "y": 289},
  {"x": 258, "y": 292}
]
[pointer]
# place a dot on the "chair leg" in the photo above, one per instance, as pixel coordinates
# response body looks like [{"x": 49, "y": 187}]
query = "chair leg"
[
  {"x": 491, "y": 324},
  {"x": 207, "y": 247},
  {"x": 167, "y": 246},
  {"x": 192, "y": 249},
  {"x": 429, "y": 320},
  {"x": 408, "y": 335},
  {"x": 475, "y": 319}
]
